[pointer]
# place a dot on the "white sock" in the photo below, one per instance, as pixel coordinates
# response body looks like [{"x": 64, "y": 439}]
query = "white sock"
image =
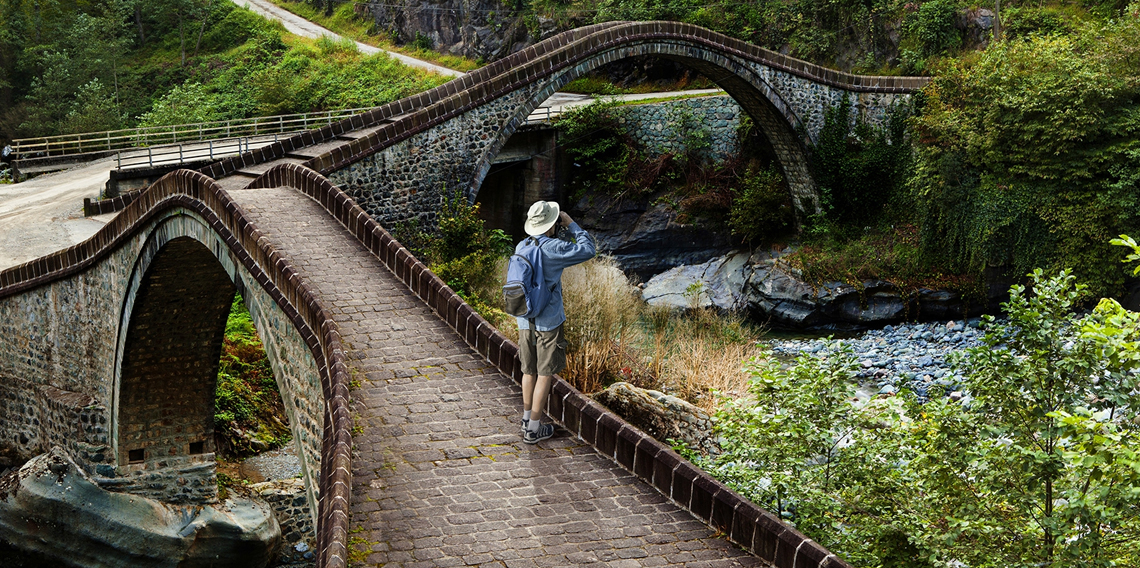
[
  {"x": 526, "y": 415},
  {"x": 534, "y": 425}
]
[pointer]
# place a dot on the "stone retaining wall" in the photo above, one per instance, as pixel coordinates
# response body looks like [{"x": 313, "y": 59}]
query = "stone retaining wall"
[
  {"x": 665, "y": 127},
  {"x": 286, "y": 497},
  {"x": 32, "y": 417}
]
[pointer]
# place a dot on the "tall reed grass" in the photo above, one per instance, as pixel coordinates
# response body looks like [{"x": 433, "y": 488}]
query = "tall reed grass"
[{"x": 615, "y": 336}]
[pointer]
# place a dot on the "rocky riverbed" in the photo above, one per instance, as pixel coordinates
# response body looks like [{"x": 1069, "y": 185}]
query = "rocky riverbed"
[{"x": 912, "y": 355}]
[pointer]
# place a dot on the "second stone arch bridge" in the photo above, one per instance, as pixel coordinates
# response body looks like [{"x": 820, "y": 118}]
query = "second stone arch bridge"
[{"x": 365, "y": 339}]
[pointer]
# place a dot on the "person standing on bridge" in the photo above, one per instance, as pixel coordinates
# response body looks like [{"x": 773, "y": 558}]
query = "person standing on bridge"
[{"x": 542, "y": 350}]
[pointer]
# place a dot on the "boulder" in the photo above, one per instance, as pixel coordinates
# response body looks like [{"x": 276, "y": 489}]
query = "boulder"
[
  {"x": 977, "y": 27},
  {"x": 51, "y": 509},
  {"x": 663, "y": 416},
  {"x": 760, "y": 283}
]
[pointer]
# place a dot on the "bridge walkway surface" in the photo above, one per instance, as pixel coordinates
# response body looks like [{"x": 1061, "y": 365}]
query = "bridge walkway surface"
[{"x": 441, "y": 476}]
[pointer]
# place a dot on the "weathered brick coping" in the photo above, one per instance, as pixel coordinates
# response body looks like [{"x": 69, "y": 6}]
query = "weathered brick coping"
[
  {"x": 196, "y": 192},
  {"x": 749, "y": 526}
]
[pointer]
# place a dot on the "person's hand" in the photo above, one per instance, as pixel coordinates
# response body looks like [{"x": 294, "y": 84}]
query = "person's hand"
[{"x": 565, "y": 219}]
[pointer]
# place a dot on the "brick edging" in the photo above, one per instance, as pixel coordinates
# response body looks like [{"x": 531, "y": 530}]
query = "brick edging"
[
  {"x": 746, "y": 524},
  {"x": 199, "y": 193}
]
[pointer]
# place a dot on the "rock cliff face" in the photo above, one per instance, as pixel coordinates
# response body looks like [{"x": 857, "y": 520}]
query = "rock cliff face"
[
  {"x": 491, "y": 29},
  {"x": 479, "y": 29},
  {"x": 645, "y": 237}
]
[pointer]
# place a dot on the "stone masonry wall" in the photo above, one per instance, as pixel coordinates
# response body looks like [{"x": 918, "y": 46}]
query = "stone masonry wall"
[
  {"x": 287, "y": 499},
  {"x": 32, "y": 416},
  {"x": 662, "y": 127},
  {"x": 454, "y": 148},
  {"x": 407, "y": 181},
  {"x": 190, "y": 199}
]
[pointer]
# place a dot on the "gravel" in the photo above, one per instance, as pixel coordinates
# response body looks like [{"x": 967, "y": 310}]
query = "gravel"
[
  {"x": 281, "y": 463},
  {"x": 912, "y": 355}
]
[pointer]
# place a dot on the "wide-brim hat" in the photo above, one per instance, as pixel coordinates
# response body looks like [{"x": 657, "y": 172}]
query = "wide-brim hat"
[{"x": 541, "y": 217}]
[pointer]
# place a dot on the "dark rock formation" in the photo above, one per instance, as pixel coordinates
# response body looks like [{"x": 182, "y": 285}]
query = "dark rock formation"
[
  {"x": 50, "y": 509},
  {"x": 479, "y": 29},
  {"x": 645, "y": 237},
  {"x": 759, "y": 283}
]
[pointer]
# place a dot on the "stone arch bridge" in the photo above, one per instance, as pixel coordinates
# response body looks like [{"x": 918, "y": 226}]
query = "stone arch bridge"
[{"x": 400, "y": 396}]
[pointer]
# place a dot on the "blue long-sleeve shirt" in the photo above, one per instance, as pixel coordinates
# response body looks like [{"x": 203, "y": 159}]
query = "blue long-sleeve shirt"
[{"x": 557, "y": 255}]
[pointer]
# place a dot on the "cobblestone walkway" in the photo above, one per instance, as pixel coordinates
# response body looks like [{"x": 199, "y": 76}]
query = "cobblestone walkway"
[{"x": 441, "y": 476}]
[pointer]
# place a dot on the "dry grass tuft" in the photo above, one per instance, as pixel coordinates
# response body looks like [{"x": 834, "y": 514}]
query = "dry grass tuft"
[{"x": 615, "y": 336}]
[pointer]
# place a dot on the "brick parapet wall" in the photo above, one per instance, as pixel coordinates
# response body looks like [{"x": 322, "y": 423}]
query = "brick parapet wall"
[
  {"x": 196, "y": 192},
  {"x": 746, "y": 524}
]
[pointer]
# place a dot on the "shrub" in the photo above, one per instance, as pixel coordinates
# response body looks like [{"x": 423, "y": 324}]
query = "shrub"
[
  {"x": 599, "y": 146},
  {"x": 249, "y": 415},
  {"x": 859, "y": 167},
  {"x": 762, "y": 207},
  {"x": 934, "y": 25},
  {"x": 1020, "y": 21},
  {"x": 421, "y": 42},
  {"x": 184, "y": 104},
  {"x": 237, "y": 26},
  {"x": 603, "y": 309},
  {"x": 463, "y": 253},
  {"x": 1035, "y": 466}
]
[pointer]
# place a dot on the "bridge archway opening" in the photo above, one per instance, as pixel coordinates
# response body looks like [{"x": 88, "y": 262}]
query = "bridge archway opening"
[
  {"x": 171, "y": 333},
  {"x": 782, "y": 131},
  {"x": 169, "y": 366}
]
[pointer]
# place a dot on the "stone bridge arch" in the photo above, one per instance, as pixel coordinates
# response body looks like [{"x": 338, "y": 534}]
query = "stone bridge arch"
[
  {"x": 447, "y": 137},
  {"x": 120, "y": 335},
  {"x": 170, "y": 332},
  {"x": 786, "y": 132}
]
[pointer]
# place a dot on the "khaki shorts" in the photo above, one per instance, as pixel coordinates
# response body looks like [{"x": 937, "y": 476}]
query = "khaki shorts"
[{"x": 546, "y": 358}]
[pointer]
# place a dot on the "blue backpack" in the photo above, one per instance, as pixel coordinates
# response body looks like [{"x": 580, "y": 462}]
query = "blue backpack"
[{"x": 526, "y": 292}]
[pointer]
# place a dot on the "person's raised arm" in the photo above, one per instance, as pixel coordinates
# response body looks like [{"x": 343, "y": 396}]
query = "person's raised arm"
[{"x": 583, "y": 248}]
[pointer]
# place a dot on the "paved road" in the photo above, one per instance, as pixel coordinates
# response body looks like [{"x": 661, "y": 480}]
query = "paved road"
[
  {"x": 304, "y": 28},
  {"x": 45, "y": 214},
  {"x": 440, "y": 474}
]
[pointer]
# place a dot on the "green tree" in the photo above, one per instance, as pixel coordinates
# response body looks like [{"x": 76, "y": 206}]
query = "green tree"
[
  {"x": 859, "y": 167},
  {"x": 1045, "y": 418},
  {"x": 1029, "y": 155},
  {"x": 184, "y": 104},
  {"x": 1037, "y": 465}
]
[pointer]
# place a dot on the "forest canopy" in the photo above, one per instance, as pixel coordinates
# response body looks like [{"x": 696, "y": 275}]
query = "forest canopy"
[{"x": 89, "y": 65}]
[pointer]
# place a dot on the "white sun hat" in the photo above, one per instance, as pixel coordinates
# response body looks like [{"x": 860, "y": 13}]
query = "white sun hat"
[{"x": 541, "y": 217}]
